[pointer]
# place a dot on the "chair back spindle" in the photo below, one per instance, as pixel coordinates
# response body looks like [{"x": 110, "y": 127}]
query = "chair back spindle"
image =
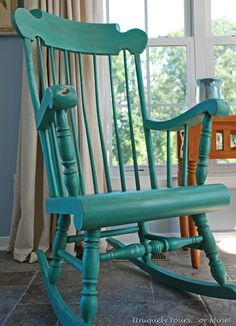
[
  {"x": 100, "y": 128},
  {"x": 168, "y": 160},
  {"x": 117, "y": 135},
  {"x": 131, "y": 125},
  {"x": 185, "y": 158}
]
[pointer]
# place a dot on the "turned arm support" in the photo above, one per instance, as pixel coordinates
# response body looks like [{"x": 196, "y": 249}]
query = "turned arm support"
[
  {"x": 55, "y": 98},
  {"x": 56, "y": 101},
  {"x": 202, "y": 112}
]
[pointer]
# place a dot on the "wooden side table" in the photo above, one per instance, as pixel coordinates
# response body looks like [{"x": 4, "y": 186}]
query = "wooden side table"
[{"x": 223, "y": 146}]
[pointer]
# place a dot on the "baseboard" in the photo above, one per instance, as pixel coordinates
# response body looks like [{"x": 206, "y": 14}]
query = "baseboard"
[{"x": 4, "y": 243}]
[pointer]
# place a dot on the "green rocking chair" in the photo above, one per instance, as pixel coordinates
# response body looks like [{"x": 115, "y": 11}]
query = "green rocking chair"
[{"x": 54, "y": 109}]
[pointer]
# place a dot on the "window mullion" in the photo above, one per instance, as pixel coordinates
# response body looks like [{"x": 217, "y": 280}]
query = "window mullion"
[
  {"x": 107, "y": 11},
  {"x": 147, "y": 59},
  {"x": 187, "y": 18},
  {"x": 168, "y": 41},
  {"x": 191, "y": 74},
  {"x": 146, "y": 15},
  {"x": 148, "y": 81},
  {"x": 201, "y": 29}
]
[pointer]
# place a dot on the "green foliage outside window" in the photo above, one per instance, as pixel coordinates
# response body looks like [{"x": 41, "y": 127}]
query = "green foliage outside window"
[{"x": 168, "y": 93}]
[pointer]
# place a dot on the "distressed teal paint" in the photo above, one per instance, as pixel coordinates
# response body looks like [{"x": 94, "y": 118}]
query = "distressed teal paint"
[
  {"x": 57, "y": 97},
  {"x": 131, "y": 126},
  {"x": 204, "y": 150},
  {"x": 74, "y": 129},
  {"x": 76, "y": 263},
  {"x": 94, "y": 211},
  {"x": 168, "y": 160},
  {"x": 55, "y": 120},
  {"x": 147, "y": 133},
  {"x": 64, "y": 313},
  {"x": 60, "y": 240},
  {"x": 210, "y": 289},
  {"x": 77, "y": 37},
  {"x": 193, "y": 116},
  {"x": 90, "y": 149},
  {"x": 105, "y": 234},
  {"x": 100, "y": 127},
  {"x": 115, "y": 121},
  {"x": 90, "y": 272},
  {"x": 184, "y": 180},
  {"x": 137, "y": 250},
  {"x": 210, "y": 248}
]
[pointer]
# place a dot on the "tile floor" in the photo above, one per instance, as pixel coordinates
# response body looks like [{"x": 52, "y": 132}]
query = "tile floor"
[{"x": 127, "y": 295}]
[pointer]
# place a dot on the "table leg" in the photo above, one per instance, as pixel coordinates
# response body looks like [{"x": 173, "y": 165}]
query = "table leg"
[
  {"x": 195, "y": 253},
  {"x": 183, "y": 220}
]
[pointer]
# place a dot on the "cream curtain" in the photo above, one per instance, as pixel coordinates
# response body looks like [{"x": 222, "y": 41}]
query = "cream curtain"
[{"x": 31, "y": 227}]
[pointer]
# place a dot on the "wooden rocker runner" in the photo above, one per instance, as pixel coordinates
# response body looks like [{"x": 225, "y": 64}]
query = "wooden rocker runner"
[{"x": 54, "y": 109}]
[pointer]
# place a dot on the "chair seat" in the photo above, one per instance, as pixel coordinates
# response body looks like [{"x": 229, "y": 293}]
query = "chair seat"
[{"x": 111, "y": 209}]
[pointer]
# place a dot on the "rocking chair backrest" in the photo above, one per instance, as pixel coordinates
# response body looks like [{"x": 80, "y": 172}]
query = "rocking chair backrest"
[{"x": 59, "y": 140}]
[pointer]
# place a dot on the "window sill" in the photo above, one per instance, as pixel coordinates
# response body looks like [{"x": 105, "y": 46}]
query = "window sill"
[{"x": 228, "y": 179}]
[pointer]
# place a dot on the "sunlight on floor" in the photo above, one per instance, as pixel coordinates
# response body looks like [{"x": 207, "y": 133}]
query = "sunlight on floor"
[{"x": 228, "y": 245}]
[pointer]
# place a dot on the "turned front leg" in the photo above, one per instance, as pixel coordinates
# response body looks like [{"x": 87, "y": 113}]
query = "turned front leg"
[
  {"x": 90, "y": 272},
  {"x": 210, "y": 248},
  {"x": 60, "y": 242},
  {"x": 142, "y": 233}
]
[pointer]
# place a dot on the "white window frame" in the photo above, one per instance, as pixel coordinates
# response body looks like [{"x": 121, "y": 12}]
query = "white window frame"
[
  {"x": 200, "y": 61},
  {"x": 204, "y": 59}
]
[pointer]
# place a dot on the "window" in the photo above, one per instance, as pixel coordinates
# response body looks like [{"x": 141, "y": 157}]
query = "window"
[
  {"x": 223, "y": 30},
  {"x": 187, "y": 40},
  {"x": 222, "y": 46}
]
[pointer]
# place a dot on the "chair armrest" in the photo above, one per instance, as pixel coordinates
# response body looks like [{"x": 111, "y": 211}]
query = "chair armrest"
[
  {"x": 213, "y": 107},
  {"x": 57, "y": 97}
]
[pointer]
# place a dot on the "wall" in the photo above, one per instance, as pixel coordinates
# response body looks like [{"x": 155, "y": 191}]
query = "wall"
[
  {"x": 11, "y": 48},
  {"x": 225, "y": 220},
  {"x": 219, "y": 221}
]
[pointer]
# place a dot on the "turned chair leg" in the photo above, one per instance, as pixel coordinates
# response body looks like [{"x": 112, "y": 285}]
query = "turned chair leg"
[
  {"x": 209, "y": 246},
  {"x": 183, "y": 220},
  {"x": 90, "y": 273},
  {"x": 143, "y": 231},
  {"x": 184, "y": 227},
  {"x": 60, "y": 241},
  {"x": 195, "y": 253}
]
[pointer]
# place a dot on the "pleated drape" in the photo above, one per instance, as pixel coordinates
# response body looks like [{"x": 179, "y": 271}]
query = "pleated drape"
[{"x": 31, "y": 227}]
